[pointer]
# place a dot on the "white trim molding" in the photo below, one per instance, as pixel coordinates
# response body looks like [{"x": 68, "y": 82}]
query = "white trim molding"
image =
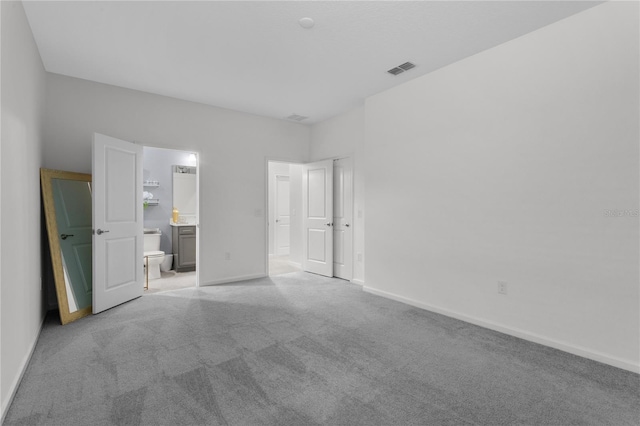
[
  {"x": 532, "y": 337},
  {"x": 4, "y": 408},
  {"x": 234, "y": 279}
]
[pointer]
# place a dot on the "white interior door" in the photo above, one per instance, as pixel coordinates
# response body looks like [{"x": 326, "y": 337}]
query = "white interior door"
[
  {"x": 342, "y": 219},
  {"x": 117, "y": 222},
  {"x": 282, "y": 215},
  {"x": 317, "y": 195}
]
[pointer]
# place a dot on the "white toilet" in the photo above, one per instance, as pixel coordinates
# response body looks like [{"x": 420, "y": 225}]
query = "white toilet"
[{"x": 152, "y": 251}]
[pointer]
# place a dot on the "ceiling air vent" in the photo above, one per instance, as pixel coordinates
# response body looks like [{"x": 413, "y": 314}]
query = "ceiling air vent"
[
  {"x": 401, "y": 68},
  {"x": 296, "y": 117},
  {"x": 407, "y": 66}
]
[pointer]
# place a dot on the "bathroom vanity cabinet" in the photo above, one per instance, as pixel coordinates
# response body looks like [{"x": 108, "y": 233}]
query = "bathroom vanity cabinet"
[{"x": 184, "y": 248}]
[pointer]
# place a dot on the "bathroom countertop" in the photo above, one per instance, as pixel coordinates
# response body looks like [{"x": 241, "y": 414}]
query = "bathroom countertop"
[{"x": 172, "y": 223}]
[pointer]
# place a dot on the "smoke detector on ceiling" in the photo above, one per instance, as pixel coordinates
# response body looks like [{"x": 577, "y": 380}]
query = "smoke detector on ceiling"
[
  {"x": 296, "y": 117},
  {"x": 306, "y": 23},
  {"x": 401, "y": 68}
]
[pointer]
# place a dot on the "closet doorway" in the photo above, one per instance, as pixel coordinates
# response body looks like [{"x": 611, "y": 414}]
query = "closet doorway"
[
  {"x": 284, "y": 199},
  {"x": 293, "y": 243}
]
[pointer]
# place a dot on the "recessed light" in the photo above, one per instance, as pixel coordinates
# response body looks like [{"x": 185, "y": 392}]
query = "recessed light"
[{"x": 306, "y": 23}]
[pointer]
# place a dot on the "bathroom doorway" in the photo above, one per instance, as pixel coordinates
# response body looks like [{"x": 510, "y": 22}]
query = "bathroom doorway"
[
  {"x": 170, "y": 185},
  {"x": 284, "y": 206}
]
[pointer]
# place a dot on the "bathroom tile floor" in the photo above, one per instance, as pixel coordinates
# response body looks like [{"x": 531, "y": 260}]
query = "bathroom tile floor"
[{"x": 172, "y": 280}]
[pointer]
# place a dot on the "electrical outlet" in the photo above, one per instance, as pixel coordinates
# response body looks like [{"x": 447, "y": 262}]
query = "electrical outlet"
[
  {"x": 502, "y": 287},
  {"x": 227, "y": 255},
  {"x": 257, "y": 212}
]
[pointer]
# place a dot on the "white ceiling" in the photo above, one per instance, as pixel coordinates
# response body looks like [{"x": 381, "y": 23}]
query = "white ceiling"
[{"x": 255, "y": 57}]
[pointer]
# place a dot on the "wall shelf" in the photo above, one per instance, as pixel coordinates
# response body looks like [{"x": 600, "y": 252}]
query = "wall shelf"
[
  {"x": 150, "y": 184},
  {"x": 152, "y": 202}
]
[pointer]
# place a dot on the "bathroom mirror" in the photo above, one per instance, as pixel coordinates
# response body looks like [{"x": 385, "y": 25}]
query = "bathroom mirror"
[
  {"x": 67, "y": 206},
  {"x": 184, "y": 190}
]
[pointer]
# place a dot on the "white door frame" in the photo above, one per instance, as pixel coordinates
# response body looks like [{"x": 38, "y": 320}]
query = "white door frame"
[{"x": 197, "y": 154}]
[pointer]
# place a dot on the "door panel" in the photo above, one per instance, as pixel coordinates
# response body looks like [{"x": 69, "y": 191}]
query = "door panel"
[
  {"x": 342, "y": 218},
  {"x": 117, "y": 222},
  {"x": 317, "y": 188},
  {"x": 283, "y": 215},
  {"x": 317, "y": 245},
  {"x": 120, "y": 261},
  {"x": 188, "y": 250},
  {"x": 120, "y": 193},
  {"x": 338, "y": 190},
  {"x": 338, "y": 247},
  {"x": 317, "y": 191}
]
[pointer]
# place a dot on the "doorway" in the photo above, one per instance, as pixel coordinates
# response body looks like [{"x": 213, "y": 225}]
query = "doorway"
[
  {"x": 284, "y": 187},
  {"x": 293, "y": 243},
  {"x": 170, "y": 184}
]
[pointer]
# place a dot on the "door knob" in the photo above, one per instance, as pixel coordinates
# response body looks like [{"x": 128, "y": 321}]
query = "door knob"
[
  {"x": 65, "y": 236},
  {"x": 329, "y": 224},
  {"x": 100, "y": 231},
  {"x": 347, "y": 225}
]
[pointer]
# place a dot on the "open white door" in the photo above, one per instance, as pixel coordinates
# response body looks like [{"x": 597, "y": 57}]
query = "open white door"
[
  {"x": 317, "y": 210},
  {"x": 118, "y": 274},
  {"x": 342, "y": 214}
]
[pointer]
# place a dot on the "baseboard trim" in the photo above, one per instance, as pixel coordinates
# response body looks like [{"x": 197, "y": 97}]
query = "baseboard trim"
[
  {"x": 359, "y": 282},
  {"x": 532, "y": 337},
  {"x": 295, "y": 264},
  {"x": 233, "y": 279},
  {"x": 23, "y": 368}
]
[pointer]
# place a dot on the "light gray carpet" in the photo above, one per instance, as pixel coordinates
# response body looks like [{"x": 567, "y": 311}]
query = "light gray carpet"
[{"x": 299, "y": 349}]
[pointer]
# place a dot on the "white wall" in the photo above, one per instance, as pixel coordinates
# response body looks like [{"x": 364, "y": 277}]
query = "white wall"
[
  {"x": 275, "y": 169},
  {"x": 502, "y": 167},
  {"x": 343, "y": 136},
  {"x": 232, "y": 148},
  {"x": 157, "y": 164},
  {"x": 22, "y": 97}
]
